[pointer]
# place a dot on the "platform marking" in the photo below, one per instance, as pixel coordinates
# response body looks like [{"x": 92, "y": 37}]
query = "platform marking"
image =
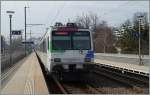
[{"x": 29, "y": 87}]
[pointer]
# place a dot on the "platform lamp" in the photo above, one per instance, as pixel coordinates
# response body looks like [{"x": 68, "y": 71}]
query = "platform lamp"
[
  {"x": 140, "y": 18},
  {"x": 10, "y": 17}
]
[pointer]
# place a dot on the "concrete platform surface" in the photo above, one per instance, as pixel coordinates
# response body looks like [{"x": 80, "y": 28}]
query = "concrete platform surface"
[
  {"x": 27, "y": 80},
  {"x": 134, "y": 67}
]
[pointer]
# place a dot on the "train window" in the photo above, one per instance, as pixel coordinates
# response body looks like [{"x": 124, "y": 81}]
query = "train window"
[
  {"x": 61, "y": 42},
  {"x": 81, "y": 40},
  {"x": 48, "y": 44},
  {"x": 74, "y": 40},
  {"x": 44, "y": 48}
]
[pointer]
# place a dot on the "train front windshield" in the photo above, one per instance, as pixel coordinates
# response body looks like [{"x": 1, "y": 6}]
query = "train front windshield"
[
  {"x": 61, "y": 40},
  {"x": 71, "y": 40},
  {"x": 81, "y": 40}
]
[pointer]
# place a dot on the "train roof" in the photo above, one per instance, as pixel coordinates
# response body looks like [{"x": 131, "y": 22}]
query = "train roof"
[
  {"x": 64, "y": 28},
  {"x": 68, "y": 27}
]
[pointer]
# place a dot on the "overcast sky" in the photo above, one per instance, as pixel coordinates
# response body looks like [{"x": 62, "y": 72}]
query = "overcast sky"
[{"x": 49, "y": 12}]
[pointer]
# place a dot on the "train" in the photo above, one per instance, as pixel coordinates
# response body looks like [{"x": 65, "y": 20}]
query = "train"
[{"x": 66, "y": 48}]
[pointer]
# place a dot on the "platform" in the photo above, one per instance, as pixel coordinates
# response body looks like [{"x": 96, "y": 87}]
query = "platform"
[
  {"x": 27, "y": 80},
  {"x": 139, "y": 69}
]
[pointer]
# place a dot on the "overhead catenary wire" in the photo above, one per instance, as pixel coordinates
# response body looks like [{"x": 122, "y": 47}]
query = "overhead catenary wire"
[
  {"x": 55, "y": 17},
  {"x": 62, "y": 7},
  {"x": 30, "y": 19},
  {"x": 58, "y": 13}
]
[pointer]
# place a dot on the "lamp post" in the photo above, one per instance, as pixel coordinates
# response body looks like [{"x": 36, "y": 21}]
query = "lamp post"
[
  {"x": 10, "y": 39},
  {"x": 25, "y": 26},
  {"x": 139, "y": 20}
]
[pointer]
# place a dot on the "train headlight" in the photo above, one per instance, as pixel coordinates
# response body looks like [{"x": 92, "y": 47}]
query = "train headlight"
[
  {"x": 87, "y": 60},
  {"x": 57, "y": 60}
]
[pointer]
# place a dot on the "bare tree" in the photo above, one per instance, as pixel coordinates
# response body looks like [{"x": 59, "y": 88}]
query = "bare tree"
[
  {"x": 83, "y": 21},
  {"x": 102, "y": 34},
  {"x": 104, "y": 38},
  {"x": 94, "y": 20}
]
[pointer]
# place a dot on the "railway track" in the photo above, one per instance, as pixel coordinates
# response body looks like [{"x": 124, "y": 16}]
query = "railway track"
[
  {"x": 127, "y": 78},
  {"x": 97, "y": 84},
  {"x": 74, "y": 87},
  {"x": 99, "y": 81}
]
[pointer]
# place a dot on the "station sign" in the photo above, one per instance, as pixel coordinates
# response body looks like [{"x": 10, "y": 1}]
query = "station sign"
[
  {"x": 28, "y": 42},
  {"x": 135, "y": 34},
  {"x": 16, "y": 32}
]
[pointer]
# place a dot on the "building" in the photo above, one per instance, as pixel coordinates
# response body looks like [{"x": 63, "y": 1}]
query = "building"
[
  {"x": 144, "y": 19},
  {"x": 118, "y": 32}
]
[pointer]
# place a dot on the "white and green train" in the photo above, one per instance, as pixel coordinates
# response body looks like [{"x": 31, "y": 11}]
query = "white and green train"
[{"x": 66, "y": 48}]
